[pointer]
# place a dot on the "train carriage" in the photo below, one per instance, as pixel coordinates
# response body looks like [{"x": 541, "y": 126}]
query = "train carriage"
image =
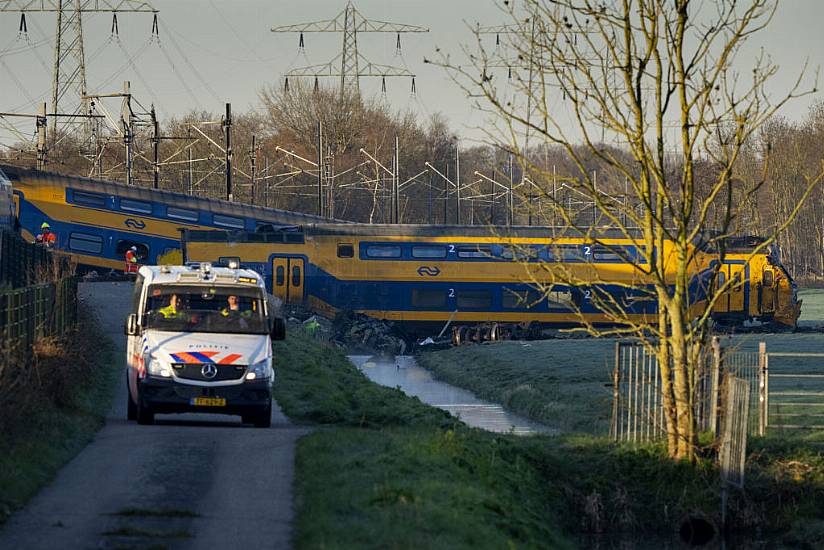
[
  {"x": 98, "y": 221},
  {"x": 425, "y": 276}
]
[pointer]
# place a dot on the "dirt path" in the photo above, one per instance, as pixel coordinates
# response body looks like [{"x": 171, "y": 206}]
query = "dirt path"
[{"x": 190, "y": 481}]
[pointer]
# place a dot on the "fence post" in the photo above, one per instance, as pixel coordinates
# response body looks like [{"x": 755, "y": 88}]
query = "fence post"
[
  {"x": 715, "y": 373},
  {"x": 763, "y": 390},
  {"x": 616, "y": 380}
]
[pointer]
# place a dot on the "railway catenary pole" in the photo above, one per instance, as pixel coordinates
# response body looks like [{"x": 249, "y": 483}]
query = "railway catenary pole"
[
  {"x": 457, "y": 184},
  {"x": 446, "y": 196},
  {"x": 227, "y": 124},
  {"x": 429, "y": 217},
  {"x": 511, "y": 217},
  {"x": 126, "y": 118},
  {"x": 191, "y": 172},
  {"x": 320, "y": 168},
  {"x": 41, "y": 124},
  {"x": 155, "y": 146},
  {"x": 396, "y": 183},
  {"x": 252, "y": 160}
]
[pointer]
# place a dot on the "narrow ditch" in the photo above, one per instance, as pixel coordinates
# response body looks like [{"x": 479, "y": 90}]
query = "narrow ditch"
[{"x": 402, "y": 371}]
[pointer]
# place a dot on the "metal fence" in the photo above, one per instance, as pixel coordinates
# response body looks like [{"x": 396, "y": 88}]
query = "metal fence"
[
  {"x": 32, "y": 312},
  {"x": 792, "y": 392},
  {"x": 19, "y": 260},
  {"x": 637, "y": 404},
  {"x": 733, "y": 448}
]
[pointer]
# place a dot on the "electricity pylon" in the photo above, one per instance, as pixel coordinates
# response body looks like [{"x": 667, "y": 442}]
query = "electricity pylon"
[
  {"x": 349, "y": 65},
  {"x": 69, "y": 70}
]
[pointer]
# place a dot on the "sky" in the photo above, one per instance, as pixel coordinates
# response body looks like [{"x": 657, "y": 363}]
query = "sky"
[{"x": 209, "y": 52}]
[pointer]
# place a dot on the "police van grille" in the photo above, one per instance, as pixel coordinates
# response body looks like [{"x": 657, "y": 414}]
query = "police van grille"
[{"x": 194, "y": 371}]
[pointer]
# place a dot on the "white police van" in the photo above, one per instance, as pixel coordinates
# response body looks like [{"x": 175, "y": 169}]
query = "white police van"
[{"x": 199, "y": 339}]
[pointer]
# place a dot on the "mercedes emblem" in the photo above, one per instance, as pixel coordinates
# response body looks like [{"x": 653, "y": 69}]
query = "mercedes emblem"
[{"x": 208, "y": 371}]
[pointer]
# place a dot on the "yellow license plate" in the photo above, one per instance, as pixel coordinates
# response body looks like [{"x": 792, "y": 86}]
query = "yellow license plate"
[{"x": 209, "y": 401}]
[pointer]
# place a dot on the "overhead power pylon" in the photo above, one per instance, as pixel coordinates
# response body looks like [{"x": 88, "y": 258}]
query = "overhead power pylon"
[
  {"x": 349, "y": 65},
  {"x": 69, "y": 69}
]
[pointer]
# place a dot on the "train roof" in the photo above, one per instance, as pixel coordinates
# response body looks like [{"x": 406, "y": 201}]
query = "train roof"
[{"x": 181, "y": 200}]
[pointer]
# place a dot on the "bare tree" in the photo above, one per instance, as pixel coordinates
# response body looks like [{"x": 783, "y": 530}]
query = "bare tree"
[{"x": 657, "y": 79}]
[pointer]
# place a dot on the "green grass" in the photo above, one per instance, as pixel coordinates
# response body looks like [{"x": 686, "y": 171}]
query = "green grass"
[
  {"x": 560, "y": 383},
  {"x": 391, "y": 472},
  {"x": 46, "y": 436},
  {"x": 812, "y": 308}
]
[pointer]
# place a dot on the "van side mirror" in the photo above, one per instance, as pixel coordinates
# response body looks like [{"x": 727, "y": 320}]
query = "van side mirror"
[
  {"x": 278, "y": 329},
  {"x": 131, "y": 325}
]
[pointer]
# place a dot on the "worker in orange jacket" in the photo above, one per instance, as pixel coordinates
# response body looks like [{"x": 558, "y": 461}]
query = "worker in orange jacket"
[
  {"x": 131, "y": 261},
  {"x": 46, "y": 237}
]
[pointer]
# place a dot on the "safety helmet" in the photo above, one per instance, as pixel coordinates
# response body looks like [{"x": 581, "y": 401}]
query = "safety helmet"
[
  {"x": 45, "y": 225},
  {"x": 134, "y": 249}
]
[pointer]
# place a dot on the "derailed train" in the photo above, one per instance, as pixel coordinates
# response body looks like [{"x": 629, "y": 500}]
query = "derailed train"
[
  {"x": 426, "y": 276},
  {"x": 421, "y": 276}
]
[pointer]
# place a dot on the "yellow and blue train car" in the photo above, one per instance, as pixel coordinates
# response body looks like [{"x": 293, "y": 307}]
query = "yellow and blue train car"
[
  {"x": 757, "y": 285},
  {"x": 96, "y": 222},
  {"x": 425, "y": 276}
]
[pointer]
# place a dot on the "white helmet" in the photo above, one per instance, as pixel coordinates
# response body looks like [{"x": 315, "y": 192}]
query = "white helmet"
[{"x": 134, "y": 249}]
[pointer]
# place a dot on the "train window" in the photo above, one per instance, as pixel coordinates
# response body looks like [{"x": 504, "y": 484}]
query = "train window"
[
  {"x": 383, "y": 251},
  {"x": 124, "y": 245},
  {"x": 560, "y": 299},
  {"x": 135, "y": 206},
  {"x": 83, "y": 242},
  {"x": 519, "y": 254},
  {"x": 228, "y": 221},
  {"x": 768, "y": 277},
  {"x": 474, "y": 299},
  {"x": 429, "y": 252},
  {"x": 720, "y": 280},
  {"x": 736, "y": 282},
  {"x": 280, "y": 276},
  {"x": 606, "y": 254},
  {"x": 520, "y": 299},
  {"x": 475, "y": 251},
  {"x": 568, "y": 253},
  {"x": 89, "y": 199},
  {"x": 428, "y": 298},
  {"x": 295, "y": 276},
  {"x": 346, "y": 250},
  {"x": 181, "y": 214}
]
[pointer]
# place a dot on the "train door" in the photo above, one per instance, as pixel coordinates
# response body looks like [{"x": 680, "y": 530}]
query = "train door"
[
  {"x": 736, "y": 289},
  {"x": 768, "y": 290},
  {"x": 288, "y": 279}
]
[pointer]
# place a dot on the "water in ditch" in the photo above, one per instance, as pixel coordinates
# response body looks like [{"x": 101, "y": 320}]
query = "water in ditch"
[{"x": 402, "y": 371}]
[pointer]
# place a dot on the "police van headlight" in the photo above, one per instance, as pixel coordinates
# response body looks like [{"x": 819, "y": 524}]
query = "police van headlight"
[
  {"x": 262, "y": 370},
  {"x": 156, "y": 367}
]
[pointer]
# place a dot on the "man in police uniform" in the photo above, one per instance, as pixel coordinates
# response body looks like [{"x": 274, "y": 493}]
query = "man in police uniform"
[{"x": 174, "y": 310}]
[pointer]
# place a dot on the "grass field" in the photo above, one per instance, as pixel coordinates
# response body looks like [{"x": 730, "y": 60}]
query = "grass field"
[
  {"x": 565, "y": 383},
  {"x": 383, "y": 470}
]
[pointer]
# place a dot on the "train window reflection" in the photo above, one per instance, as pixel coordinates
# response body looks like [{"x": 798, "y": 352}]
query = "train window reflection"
[
  {"x": 429, "y": 252},
  {"x": 428, "y": 298},
  {"x": 474, "y": 251},
  {"x": 383, "y": 251},
  {"x": 474, "y": 299}
]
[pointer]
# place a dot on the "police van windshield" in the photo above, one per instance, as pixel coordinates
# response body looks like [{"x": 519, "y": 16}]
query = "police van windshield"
[{"x": 181, "y": 308}]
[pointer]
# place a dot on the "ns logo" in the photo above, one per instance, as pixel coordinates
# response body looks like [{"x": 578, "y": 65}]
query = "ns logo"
[{"x": 134, "y": 224}]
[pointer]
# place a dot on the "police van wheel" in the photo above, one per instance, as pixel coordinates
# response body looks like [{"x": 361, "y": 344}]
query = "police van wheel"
[
  {"x": 144, "y": 414},
  {"x": 131, "y": 408},
  {"x": 263, "y": 419}
]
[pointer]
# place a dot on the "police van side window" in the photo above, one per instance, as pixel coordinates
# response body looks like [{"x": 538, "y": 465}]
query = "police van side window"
[{"x": 138, "y": 289}]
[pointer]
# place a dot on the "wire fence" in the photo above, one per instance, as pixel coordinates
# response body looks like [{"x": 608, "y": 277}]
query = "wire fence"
[
  {"x": 638, "y": 413},
  {"x": 35, "y": 311},
  {"x": 19, "y": 260}
]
